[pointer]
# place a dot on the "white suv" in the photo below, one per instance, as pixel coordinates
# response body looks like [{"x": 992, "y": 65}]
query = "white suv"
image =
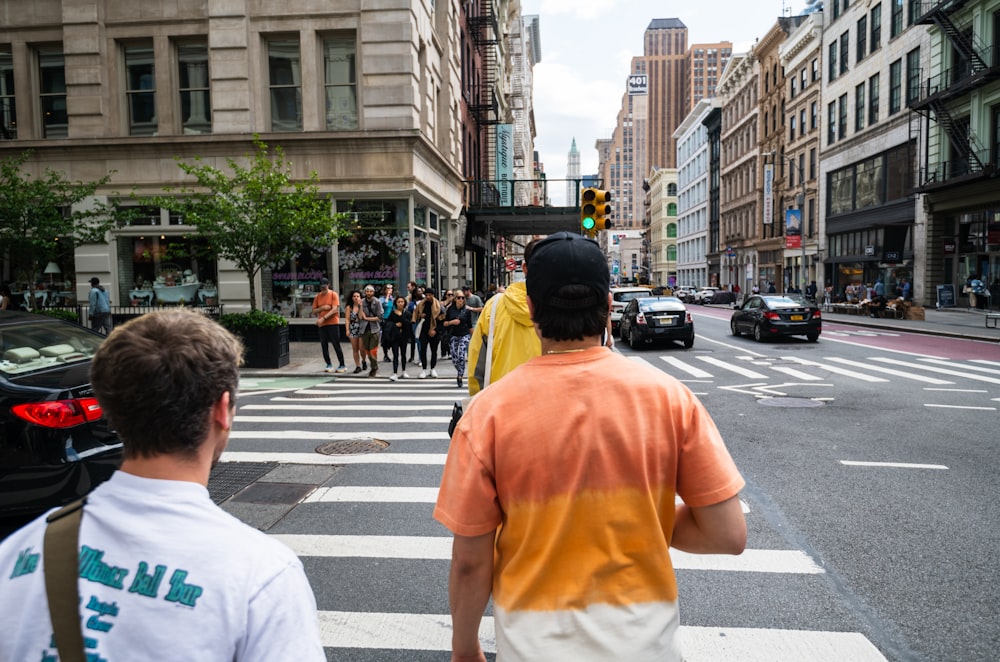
[{"x": 620, "y": 296}]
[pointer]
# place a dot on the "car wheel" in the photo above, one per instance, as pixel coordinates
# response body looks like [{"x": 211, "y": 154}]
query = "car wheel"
[
  {"x": 633, "y": 339},
  {"x": 689, "y": 342},
  {"x": 734, "y": 327},
  {"x": 757, "y": 335},
  {"x": 812, "y": 337}
]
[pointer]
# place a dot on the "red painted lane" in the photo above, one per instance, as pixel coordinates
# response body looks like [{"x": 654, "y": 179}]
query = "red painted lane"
[{"x": 945, "y": 347}]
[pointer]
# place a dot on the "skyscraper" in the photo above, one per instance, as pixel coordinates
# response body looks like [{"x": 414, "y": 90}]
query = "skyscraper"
[{"x": 572, "y": 174}]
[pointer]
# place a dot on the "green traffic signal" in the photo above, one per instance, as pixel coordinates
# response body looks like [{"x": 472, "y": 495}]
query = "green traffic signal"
[{"x": 588, "y": 223}]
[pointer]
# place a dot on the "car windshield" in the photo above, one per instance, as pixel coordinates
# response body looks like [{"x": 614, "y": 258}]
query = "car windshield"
[
  {"x": 27, "y": 348},
  {"x": 785, "y": 302},
  {"x": 628, "y": 296},
  {"x": 661, "y": 305}
]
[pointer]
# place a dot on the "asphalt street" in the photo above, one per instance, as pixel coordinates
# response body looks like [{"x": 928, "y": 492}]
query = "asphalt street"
[{"x": 870, "y": 462}]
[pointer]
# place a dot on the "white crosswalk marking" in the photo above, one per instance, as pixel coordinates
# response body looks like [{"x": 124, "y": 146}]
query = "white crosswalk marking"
[
  {"x": 940, "y": 371},
  {"x": 432, "y": 632},
  {"x": 890, "y": 371},
  {"x": 342, "y": 411},
  {"x": 840, "y": 371}
]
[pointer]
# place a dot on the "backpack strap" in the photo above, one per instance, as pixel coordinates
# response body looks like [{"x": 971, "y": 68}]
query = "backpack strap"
[
  {"x": 61, "y": 566},
  {"x": 489, "y": 341}
]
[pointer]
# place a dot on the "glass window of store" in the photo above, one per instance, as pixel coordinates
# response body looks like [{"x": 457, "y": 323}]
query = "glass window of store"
[
  {"x": 285, "y": 85},
  {"x": 340, "y": 78},
  {"x": 290, "y": 288},
  {"x": 163, "y": 269},
  {"x": 140, "y": 88},
  {"x": 377, "y": 251}
]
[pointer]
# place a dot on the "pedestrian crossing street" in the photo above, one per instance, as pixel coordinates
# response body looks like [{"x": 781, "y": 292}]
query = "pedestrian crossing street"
[{"x": 350, "y": 512}]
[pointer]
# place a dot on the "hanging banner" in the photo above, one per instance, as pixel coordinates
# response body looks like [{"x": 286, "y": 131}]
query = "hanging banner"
[
  {"x": 768, "y": 193},
  {"x": 505, "y": 163},
  {"x": 793, "y": 228}
]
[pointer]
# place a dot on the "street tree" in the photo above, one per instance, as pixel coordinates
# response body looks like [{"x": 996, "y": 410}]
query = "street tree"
[
  {"x": 46, "y": 216},
  {"x": 254, "y": 214}
]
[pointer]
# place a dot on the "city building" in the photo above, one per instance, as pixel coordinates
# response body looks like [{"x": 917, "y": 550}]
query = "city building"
[
  {"x": 661, "y": 233},
  {"x": 957, "y": 101},
  {"x": 572, "y": 173},
  {"x": 693, "y": 180}
]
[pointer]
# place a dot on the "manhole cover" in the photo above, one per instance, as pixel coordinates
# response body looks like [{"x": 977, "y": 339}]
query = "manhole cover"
[
  {"x": 352, "y": 447},
  {"x": 228, "y": 478},
  {"x": 790, "y": 402}
]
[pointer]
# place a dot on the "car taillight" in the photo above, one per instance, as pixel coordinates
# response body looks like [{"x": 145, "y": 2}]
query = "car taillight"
[
  {"x": 640, "y": 319},
  {"x": 59, "y": 414},
  {"x": 771, "y": 315},
  {"x": 816, "y": 314}
]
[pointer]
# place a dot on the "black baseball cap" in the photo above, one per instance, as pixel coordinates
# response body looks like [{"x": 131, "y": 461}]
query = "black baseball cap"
[
  {"x": 324, "y": 281},
  {"x": 565, "y": 258}
]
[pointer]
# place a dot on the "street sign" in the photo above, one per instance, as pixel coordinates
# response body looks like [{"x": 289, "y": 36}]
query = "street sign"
[{"x": 511, "y": 264}]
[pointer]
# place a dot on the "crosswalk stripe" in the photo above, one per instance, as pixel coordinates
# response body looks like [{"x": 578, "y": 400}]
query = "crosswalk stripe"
[
  {"x": 890, "y": 371},
  {"x": 381, "y": 397},
  {"x": 746, "y": 372},
  {"x": 835, "y": 369},
  {"x": 343, "y": 420},
  {"x": 968, "y": 367},
  {"x": 380, "y": 407},
  {"x": 317, "y": 458},
  {"x": 697, "y": 373},
  {"x": 940, "y": 371},
  {"x": 274, "y": 435},
  {"x": 777, "y": 561},
  {"x": 373, "y": 494},
  {"x": 797, "y": 374},
  {"x": 432, "y": 632}
]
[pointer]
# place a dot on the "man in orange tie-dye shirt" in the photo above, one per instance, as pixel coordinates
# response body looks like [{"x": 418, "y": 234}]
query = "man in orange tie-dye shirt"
[{"x": 561, "y": 484}]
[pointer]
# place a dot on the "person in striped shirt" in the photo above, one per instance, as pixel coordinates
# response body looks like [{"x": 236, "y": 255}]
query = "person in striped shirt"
[{"x": 561, "y": 482}]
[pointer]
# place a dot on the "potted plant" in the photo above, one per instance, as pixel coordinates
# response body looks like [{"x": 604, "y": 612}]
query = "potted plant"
[{"x": 264, "y": 335}]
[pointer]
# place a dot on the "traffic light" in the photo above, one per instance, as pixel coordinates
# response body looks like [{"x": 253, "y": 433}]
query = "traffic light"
[{"x": 594, "y": 211}]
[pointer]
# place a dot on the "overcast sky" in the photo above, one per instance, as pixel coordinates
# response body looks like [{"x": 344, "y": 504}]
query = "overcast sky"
[{"x": 590, "y": 43}]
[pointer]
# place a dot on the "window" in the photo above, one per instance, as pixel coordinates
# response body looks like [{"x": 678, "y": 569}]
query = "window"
[
  {"x": 842, "y": 117},
  {"x": 196, "y": 104},
  {"x": 832, "y": 62},
  {"x": 914, "y": 12},
  {"x": 791, "y": 90},
  {"x": 836, "y": 9},
  {"x": 802, "y": 122},
  {"x": 140, "y": 89},
  {"x": 340, "y": 62},
  {"x": 873, "y": 99},
  {"x": 845, "y": 49},
  {"x": 859, "y": 107},
  {"x": 876, "y": 34},
  {"x": 285, "y": 85},
  {"x": 913, "y": 75},
  {"x": 815, "y": 69},
  {"x": 862, "y": 33},
  {"x": 791, "y": 129},
  {"x": 791, "y": 175},
  {"x": 812, "y": 163},
  {"x": 896, "y": 25},
  {"x": 831, "y": 122},
  {"x": 814, "y": 115},
  {"x": 8, "y": 113},
  {"x": 895, "y": 86},
  {"x": 805, "y": 78},
  {"x": 52, "y": 92},
  {"x": 996, "y": 136}
]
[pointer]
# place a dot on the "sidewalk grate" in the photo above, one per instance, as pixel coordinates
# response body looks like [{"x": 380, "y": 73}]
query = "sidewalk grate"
[
  {"x": 353, "y": 446},
  {"x": 229, "y": 478}
]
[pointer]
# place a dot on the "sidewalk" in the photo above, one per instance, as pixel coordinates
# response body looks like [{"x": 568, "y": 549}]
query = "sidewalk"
[{"x": 305, "y": 358}]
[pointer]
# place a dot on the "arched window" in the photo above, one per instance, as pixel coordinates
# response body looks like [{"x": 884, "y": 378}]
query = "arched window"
[
  {"x": 672, "y": 209},
  {"x": 672, "y": 230},
  {"x": 671, "y": 189},
  {"x": 671, "y": 253}
]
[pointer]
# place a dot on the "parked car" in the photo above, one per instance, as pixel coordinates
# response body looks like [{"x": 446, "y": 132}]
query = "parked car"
[
  {"x": 652, "y": 319},
  {"x": 620, "y": 296},
  {"x": 55, "y": 444},
  {"x": 704, "y": 295},
  {"x": 771, "y": 315},
  {"x": 685, "y": 293}
]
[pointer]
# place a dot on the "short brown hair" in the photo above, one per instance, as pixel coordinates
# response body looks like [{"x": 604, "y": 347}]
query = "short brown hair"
[{"x": 157, "y": 377}]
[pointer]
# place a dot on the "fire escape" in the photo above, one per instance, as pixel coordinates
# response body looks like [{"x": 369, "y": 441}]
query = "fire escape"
[
  {"x": 973, "y": 65},
  {"x": 484, "y": 106}
]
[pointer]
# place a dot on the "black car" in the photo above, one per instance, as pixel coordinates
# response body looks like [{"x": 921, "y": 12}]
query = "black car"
[
  {"x": 55, "y": 444},
  {"x": 650, "y": 319},
  {"x": 772, "y": 315}
]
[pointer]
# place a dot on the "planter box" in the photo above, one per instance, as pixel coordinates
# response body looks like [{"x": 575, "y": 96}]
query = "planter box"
[{"x": 266, "y": 349}]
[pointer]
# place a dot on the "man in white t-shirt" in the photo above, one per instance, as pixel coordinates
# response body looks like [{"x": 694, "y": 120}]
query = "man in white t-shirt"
[{"x": 164, "y": 573}]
